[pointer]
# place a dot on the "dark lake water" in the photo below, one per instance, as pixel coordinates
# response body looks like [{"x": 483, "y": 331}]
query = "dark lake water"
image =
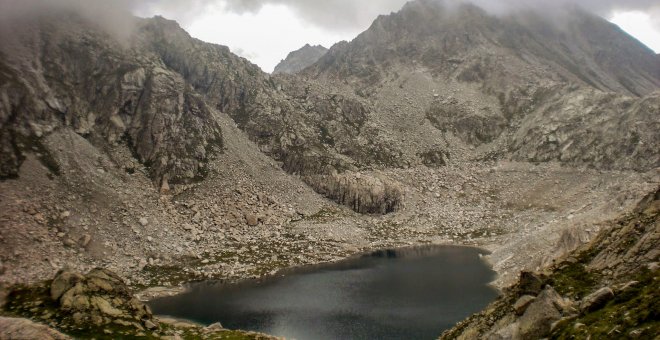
[{"x": 413, "y": 293}]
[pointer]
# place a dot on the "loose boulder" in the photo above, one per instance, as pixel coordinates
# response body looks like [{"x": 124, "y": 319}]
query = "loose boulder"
[
  {"x": 596, "y": 299},
  {"x": 521, "y": 305},
  {"x": 537, "y": 320}
]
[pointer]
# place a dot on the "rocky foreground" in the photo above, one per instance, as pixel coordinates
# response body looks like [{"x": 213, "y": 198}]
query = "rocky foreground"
[
  {"x": 607, "y": 289},
  {"x": 97, "y": 305}
]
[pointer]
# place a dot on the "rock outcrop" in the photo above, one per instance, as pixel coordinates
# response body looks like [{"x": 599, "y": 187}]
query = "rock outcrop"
[
  {"x": 99, "y": 297},
  {"x": 97, "y": 304},
  {"x": 369, "y": 194}
]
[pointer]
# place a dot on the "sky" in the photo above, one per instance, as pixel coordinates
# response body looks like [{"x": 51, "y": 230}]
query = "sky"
[{"x": 265, "y": 31}]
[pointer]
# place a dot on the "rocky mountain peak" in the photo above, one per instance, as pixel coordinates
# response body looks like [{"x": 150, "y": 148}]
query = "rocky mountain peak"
[
  {"x": 298, "y": 60},
  {"x": 569, "y": 45}
]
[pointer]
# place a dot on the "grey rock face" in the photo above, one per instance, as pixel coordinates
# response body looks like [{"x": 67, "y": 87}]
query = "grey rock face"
[
  {"x": 472, "y": 127},
  {"x": 363, "y": 193},
  {"x": 298, "y": 60},
  {"x": 87, "y": 81},
  {"x": 604, "y": 130}
]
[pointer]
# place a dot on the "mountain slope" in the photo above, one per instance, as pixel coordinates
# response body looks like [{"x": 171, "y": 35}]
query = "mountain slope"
[
  {"x": 157, "y": 93},
  {"x": 130, "y": 94},
  {"x": 467, "y": 43},
  {"x": 607, "y": 286},
  {"x": 297, "y": 60},
  {"x": 463, "y": 78}
]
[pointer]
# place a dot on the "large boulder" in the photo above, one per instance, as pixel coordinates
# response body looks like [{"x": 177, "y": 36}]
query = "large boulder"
[
  {"x": 546, "y": 309},
  {"x": 596, "y": 299},
  {"x": 63, "y": 282},
  {"x": 522, "y": 303},
  {"x": 530, "y": 283}
]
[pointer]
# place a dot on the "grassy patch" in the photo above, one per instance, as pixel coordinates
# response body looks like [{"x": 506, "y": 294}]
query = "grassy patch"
[
  {"x": 634, "y": 313},
  {"x": 572, "y": 279}
]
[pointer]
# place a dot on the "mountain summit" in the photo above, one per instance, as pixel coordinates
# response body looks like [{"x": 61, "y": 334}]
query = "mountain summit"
[
  {"x": 467, "y": 43},
  {"x": 297, "y": 60}
]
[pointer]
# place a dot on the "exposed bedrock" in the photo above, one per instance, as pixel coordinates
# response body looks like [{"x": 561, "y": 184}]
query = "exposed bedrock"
[{"x": 367, "y": 194}]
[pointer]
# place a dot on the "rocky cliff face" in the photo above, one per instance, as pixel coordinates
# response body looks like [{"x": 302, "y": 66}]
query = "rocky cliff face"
[
  {"x": 77, "y": 77},
  {"x": 298, "y": 60}
]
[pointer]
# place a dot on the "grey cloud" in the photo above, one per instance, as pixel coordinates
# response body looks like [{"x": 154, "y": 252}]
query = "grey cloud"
[
  {"x": 332, "y": 14},
  {"x": 603, "y": 8},
  {"x": 338, "y": 15},
  {"x": 113, "y": 16},
  {"x": 350, "y": 14},
  {"x": 335, "y": 15}
]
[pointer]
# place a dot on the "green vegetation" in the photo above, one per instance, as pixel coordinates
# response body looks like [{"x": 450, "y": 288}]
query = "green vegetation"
[
  {"x": 573, "y": 280},
  {"x": 634, "y": 313}
]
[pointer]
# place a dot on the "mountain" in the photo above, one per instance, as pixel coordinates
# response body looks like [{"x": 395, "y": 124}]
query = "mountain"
[
  {"x": 468, "y": 44},
  {"x": 519, "y": 83},
  {"x": 297, "y": 60},
  {"x": 167, "y": 159},
  {"x": 160, "y": 95}
]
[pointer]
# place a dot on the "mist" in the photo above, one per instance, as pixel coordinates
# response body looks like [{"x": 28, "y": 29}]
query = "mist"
[
  {"x": 336, "y": 15},
  {"x": 343, "y": 15},
  {"x": 112, "y": 16}
]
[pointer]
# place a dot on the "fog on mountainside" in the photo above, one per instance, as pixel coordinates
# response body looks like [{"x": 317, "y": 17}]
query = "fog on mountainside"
[{"x": 336, "y": 14}]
